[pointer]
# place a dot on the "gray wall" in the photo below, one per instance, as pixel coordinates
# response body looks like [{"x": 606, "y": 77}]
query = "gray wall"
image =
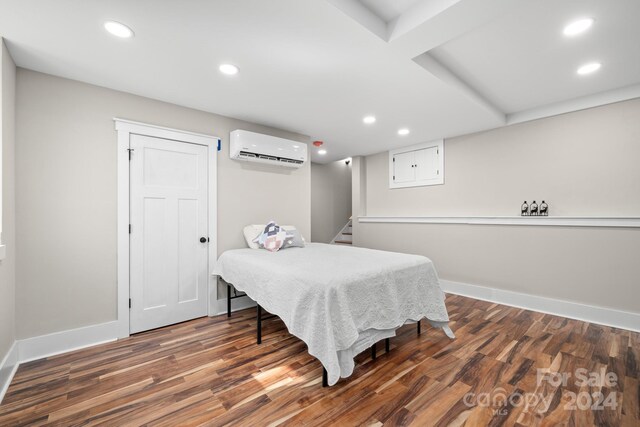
[
  {"x": 66, "y": 195},
  {"x": 583, "y": 164},
  {"x": 330, "y": 199},
  {"x": 7, "y": 145}
]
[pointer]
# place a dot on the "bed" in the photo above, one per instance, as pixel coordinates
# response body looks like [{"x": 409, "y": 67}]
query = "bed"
[{"x": 339, "y": 300}]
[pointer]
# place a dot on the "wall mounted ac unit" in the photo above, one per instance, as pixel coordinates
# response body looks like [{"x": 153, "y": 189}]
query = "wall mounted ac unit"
[{"x": 259, "y": 148}]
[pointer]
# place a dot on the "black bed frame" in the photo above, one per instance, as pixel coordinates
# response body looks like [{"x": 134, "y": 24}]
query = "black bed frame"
[{"x": 260, "y": 318}]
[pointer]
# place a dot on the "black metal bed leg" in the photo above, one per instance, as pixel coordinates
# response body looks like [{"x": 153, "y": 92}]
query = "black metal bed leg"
[
  {"x": 373, "y": 351},
  {"x": 386, "y": 345},
  {"x": 259, "y": 331},
  {"x": 228, "y": 300},
  {"x": 419, "y": 327},
  {"x": 325, "y": 378}
]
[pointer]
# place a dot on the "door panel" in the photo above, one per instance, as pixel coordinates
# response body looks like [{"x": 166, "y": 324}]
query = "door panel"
[
  {"x": 169, "y": 207},
  {"x": 165, "y": 168},
  {"x": 154, "y": 256},
  {"x": 427, "y": 163},
  {"x": 403, "y": 169},
  {"x": 188, "y": 250}
]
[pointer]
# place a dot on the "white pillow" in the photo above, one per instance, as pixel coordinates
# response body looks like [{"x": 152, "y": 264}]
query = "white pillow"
[{"x": 252, "y": 231}]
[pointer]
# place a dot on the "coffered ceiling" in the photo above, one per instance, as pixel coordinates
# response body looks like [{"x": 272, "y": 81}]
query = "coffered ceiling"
[{"x": 439, "y": 68}]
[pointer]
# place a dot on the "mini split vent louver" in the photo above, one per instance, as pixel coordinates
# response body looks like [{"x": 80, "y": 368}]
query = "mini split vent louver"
[{"x": 259, "y": 148}]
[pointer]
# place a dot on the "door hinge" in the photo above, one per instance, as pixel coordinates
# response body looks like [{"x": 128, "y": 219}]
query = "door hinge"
[
  {"x": 129, "y": 302},
  {"x": 129, "y": 228},
  {"x": 394, "y": 177},
  {"x": 130, "y": 151},
  {"x": 438, "y": 172}
]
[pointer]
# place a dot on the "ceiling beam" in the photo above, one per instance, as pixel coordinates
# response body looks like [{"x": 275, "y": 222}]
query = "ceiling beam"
[
  {"x": 459, "y": 18},
  {"x": 437, "y": 69},
  {"x": 420, "y": 13},
  {"x": 362, "y": 15},
  {"x": 576, "y": 104}
]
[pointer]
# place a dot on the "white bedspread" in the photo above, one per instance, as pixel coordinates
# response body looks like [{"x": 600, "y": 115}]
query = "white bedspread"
[{"x": 339, "y": 300}]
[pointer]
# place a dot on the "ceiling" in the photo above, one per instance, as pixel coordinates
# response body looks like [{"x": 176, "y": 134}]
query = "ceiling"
[
  {"x": 440, "y": 68},
  {"x": 522, "y": 60},
  {"x": 388, "y": 10}
]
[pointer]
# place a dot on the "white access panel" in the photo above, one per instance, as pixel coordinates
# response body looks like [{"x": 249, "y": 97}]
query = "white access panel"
[
  {"x": 169, "y": 206},
  {"x": 417, "y": 165},
  {"x": 403, "y": 167},
  {"x": 427, "y": 163}
]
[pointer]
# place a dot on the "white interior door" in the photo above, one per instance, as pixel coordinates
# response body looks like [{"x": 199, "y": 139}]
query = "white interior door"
[{"x": 169, "y": 206}]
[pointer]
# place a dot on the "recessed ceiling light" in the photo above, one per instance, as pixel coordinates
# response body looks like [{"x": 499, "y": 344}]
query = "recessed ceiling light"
[
  {"x": 322, "y": 152},
  {"x": 118, "y": 29},
  {"x": 369, "y": 119},
  {"x": 403, "y": 131},
  {"x": 589, "y": 68},
  {"x": 229, "y": 69},
  {"x": 578, "y": 27}
]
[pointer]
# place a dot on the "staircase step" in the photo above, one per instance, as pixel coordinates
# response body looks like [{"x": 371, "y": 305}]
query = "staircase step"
[
  {"x": 348, "y": 233},
  {"x": 344, "y": 242}
]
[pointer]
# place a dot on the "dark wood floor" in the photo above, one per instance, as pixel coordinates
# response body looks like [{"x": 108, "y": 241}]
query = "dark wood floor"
[{"x": 210, "y": 371}]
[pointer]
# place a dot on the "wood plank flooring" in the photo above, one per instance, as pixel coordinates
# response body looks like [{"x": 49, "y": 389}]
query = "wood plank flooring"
[{"x": 211, "y": 372}]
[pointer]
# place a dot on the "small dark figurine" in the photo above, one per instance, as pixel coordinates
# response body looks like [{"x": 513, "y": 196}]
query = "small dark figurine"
[
  {"x": 524, "y": 209},
  {"x": 533, "y": 209},
  {"x": 544, "y": 209}
]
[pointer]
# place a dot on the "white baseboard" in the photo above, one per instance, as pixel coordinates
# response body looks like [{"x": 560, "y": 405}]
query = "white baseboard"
[
  {"x": 8, "y": 368},
  {"x": 572, "y": 310},
  {"x": 236, "y": 304},
  {"x": 35, "y": 348},
  {"x": 61, "y": 342}
]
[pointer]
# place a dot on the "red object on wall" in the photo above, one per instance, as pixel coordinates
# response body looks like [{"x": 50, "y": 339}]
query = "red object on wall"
[{"x": 318, "y": 143}]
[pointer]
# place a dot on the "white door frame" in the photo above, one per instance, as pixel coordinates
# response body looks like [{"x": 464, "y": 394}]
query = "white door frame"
[{"x": 125, "y": 129}]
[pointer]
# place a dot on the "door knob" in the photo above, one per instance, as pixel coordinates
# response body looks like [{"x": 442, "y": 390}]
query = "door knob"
[{"x": 203, "y": 240}]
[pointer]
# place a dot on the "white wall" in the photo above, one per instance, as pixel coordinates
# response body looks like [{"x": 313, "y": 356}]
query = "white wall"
[
  {"x": 330, "y": 199},
  {"x": 583, "y": 164},
  {"x": 66, "y": 195},
  {"x": 7, "y": 146}
]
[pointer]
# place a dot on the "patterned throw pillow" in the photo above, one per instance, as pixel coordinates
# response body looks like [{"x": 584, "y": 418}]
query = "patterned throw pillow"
[
  {"x": 253, "y": 231},
  {"x": 293, "y": 239},
  {"x": 272, "y": 238}
]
